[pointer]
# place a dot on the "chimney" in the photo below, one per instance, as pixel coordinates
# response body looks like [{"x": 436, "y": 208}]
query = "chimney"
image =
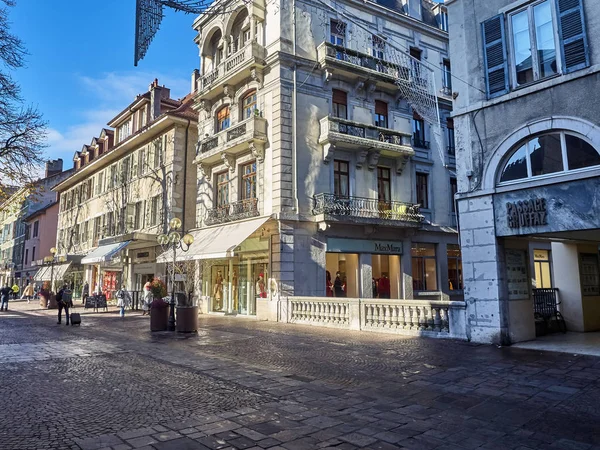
[
  {"x": 195, "y": 76},
  {"x": 156, "y": 93},
  {"x": 53, "y": 167}
]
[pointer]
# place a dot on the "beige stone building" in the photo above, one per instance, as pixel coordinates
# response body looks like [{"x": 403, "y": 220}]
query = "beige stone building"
[
  {"x": 311, "y": 162},
  {"x": 128, "y": 183}
]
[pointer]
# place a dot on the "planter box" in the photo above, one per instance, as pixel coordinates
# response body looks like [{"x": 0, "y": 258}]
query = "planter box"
[
  {"x": 159, "y": 319},
  {"x": 187, "y": 319}
]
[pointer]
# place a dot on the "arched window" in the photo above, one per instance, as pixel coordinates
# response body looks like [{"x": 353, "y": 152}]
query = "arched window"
[
  {"x": 550, "y": 153},
  {"x": 248, "y": 105},
  {"x": 223, "y": 118},
  {"x": 239, "y": 34}
]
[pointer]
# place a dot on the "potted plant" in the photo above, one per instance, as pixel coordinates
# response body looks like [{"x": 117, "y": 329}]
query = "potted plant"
[
  {"x": 159, "y": 309},
  {"x": 187, "y": 310}
]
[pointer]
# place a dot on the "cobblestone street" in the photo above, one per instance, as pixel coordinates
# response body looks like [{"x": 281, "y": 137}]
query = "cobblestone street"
[{"x": 245, "y": 384}]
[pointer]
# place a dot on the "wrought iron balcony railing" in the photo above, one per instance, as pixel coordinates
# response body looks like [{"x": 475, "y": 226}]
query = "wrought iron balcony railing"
[
  {"x": 253, "y": 128},
  {"x": 420, "y": 143},
  {"x": 243, "y": 209},
  {"x": 359, "y": 207}
]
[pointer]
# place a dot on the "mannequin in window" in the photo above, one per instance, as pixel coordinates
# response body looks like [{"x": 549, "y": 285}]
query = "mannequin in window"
[
  {"x": 234, "y": 290},
  {"x": 218, "y": 291},
  {"x": 261, "y": 290}
]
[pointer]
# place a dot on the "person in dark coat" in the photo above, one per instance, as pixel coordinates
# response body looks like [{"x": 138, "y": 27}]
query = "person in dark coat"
[
  {"x": 5, "y": 293},
  {"x": 63, "y": 298},
  {"x": 338, "y": 285}
]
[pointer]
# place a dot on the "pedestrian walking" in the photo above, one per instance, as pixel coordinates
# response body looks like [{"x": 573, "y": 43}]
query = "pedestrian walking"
[
  {"x": 4, "y": 297},
  {"x": 28, "y": 293},
  {"x": 85, "y": 293},
  {"x": 123, "y": 300},
  {"x": 338, "y": 285},
  {"x": 15, "y": 291},
  {"x": 147, "y": 297},
  {"x": 64, "y": 298}
]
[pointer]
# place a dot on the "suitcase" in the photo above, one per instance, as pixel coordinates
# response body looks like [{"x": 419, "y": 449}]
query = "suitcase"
[{"x": 75, "y": 319}]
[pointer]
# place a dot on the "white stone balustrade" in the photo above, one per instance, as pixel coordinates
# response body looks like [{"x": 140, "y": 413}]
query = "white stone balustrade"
[{"x": 436, "y": 318}]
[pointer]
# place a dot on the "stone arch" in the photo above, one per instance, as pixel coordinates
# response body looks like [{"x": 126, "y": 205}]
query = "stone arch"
[
  {"x": 586, "y": 130},
  {"x": 208, "y": 39},
  {"x": 236, "y": 19}
]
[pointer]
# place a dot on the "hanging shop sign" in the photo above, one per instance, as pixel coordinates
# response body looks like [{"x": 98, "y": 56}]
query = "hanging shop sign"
[{"x": 527, "y": 213}]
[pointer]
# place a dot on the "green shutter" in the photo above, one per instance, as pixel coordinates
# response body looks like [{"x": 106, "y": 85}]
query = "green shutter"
[
  {"x": 571, "y": 29},
  {"x": 494, "y": 56}
]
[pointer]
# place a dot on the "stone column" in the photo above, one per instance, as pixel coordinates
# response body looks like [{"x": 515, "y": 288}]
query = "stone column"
[
  {"x": 365, "y": 264},
  {"x": 406, "y": 266}
]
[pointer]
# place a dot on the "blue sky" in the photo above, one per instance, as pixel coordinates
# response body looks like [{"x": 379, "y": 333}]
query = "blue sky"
[{"x": 80, "y": 70}]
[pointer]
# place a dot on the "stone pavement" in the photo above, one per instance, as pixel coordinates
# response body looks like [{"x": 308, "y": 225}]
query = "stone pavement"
[{"x": 242, "y": 384}]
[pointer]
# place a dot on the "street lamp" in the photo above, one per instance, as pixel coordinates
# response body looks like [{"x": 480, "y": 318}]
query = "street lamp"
[{"x": 173, "y": 240}]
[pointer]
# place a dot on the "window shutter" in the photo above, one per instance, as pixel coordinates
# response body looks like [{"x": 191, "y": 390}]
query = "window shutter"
[
  {"x": 571, "y": 29},
  {"x": 339, "y": 97},
  {"x": 381, "y": 107},
  {"x": 494, "y": 56}
]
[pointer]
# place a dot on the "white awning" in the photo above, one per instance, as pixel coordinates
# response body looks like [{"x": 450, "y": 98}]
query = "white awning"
[
  {"x": 56, "y": 272},
  {"x": 216, "y": 242},
  {"x": 104, "y": 253}
]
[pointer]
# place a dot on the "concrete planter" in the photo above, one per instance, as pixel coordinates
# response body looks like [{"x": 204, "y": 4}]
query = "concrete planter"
[
  {"x": 187, "y": 319},
  {"x": 159, "y": 319}
]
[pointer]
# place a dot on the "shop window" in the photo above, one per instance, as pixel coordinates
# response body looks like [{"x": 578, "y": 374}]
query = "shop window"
[
  {"x": 249, "y": 105},
  {"x": 384, "y": 186},
  {"x": 541, "y": 263},
  {"x": 424, "y": 267},
  {"x": 343, "y": 269},
  {"x": 422, "y": 189},
  {"x": 381, "y": 114},
  {"x": 547, "y": 154},
  {"x": 341, "y": 178},
  {"x": 386, "y": 276},
  {"x": 249, "y": 181},
  {"x": 455, "y": 275},
  {"x": 340, "y": 104},
  {"x": 337, "y": 32},
  {"x": 222, "y": 189},
  {"x": 223, "y": 119}
]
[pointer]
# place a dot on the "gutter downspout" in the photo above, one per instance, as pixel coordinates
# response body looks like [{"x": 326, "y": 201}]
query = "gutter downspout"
[
  {"x": 294, "y": 114},
  {"x": 185, "y": 153}
]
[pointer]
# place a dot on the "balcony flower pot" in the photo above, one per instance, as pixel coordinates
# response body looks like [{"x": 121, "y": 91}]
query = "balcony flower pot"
[
  {"x": 159, "y": 315},
  {"x": 187, "y": 314}
]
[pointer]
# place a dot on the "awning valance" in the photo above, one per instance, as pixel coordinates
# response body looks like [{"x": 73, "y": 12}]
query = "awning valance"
[
  {"x": 104, "y": 253},
  {"x": 56, "y": 272},
  {"x": 216, "y": 242}
]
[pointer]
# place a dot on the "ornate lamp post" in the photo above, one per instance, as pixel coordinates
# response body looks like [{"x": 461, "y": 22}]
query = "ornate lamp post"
[
  {"x": 174, "y": 241},
  {"x": 50, "y": 259}
]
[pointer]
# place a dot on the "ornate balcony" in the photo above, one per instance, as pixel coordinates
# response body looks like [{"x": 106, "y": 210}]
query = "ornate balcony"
[
  {"x": 246, "y": 62},
  {"x": 249, "y": 134},
  {"x": 357, "y": 209},
  {"x": 369, "y": 141},
  {"x": 353, "y": 63},
  {"x": 243, "y": 209}
]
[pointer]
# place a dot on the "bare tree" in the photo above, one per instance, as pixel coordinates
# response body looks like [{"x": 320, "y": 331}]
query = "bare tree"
[{"x": 22, "y": 129}]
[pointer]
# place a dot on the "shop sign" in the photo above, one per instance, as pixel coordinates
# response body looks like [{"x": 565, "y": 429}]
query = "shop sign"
[
  {"x": 527, "y": 213},
  {"x": 339, "y": 245}
]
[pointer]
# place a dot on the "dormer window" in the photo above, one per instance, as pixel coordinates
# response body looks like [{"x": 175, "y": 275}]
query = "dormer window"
[{"x": 124, "y": 130}]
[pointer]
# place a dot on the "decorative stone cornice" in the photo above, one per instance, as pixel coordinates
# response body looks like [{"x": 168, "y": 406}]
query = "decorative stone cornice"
[
  {"x": 257, "y": 150},
  {"x": 229, "y": 161}
]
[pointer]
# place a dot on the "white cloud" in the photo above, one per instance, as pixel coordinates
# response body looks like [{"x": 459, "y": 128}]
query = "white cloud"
[{"x": 107, "y": 95}]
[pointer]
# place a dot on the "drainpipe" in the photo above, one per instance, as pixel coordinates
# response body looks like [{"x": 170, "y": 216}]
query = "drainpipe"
[
  {"x": 185, "y": 154},
  {"x": 294, "y": 114}
]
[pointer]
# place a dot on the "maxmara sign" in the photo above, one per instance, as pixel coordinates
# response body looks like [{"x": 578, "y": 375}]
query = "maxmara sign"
[{"x": 340, "y": 245}]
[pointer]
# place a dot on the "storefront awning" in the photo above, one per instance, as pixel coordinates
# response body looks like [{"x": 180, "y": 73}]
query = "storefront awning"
[
  {"x": 216, "y": 242},
  {"x": 104, "y": 253},
  {"x": 56, "y": 273}
]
